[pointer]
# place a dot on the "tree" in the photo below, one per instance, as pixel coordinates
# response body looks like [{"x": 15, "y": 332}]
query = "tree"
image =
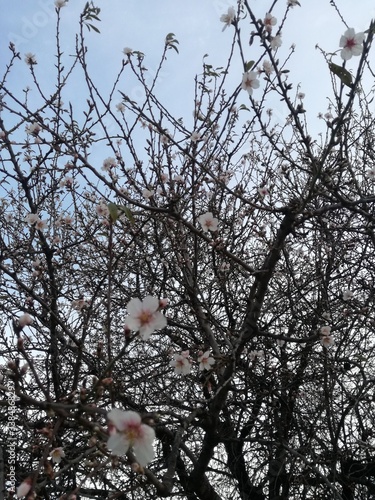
[{"x": 214, "y": 283}]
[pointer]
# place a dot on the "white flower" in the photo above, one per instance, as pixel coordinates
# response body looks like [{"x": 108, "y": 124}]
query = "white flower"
[
  {"x": 371, "y": 173},
  {"x": 267, "y": 67},
  {"x": 145, "y": 316},
  {"x": 293, "y": 3},
  {"x": 195, "y": 136},
  {"x": 147, "y": 193},
  {"x": 208, "y": 222},
  {"x": 325, "y": 330},
  {"x": 351, "y": 43},
  {"x": 228, "y": 18},
  {"x": 120, "y": 107},
  {"x": 109, "y": 163},
  {"x": 128, "y": 51},
  {"x": 57, "y": 454},
  {"x": 33, "y": 129},
  {"x": 60, "y": 3},
  {"x": 327, "y": 340},
  {"x": 127, "y": 431},
  {"x": 30, "y": 59},
  {"x": 249, "y": 81},
  {"x": 269, "y": 21},
  {"x": 32, "y": 218},
  {"x": 205, "y": 361},
  {"x": 347, "y": 295},
  {"x": 25, "y": 320},
  {"x": 181, "y": 363},
  {"x": 102, "y": 210},
  {"x": 276, "y": 42},
  {"x": 41, "y": 225}
]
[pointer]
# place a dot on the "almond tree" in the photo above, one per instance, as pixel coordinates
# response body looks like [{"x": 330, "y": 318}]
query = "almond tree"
[{"x": 187, "y": 312}]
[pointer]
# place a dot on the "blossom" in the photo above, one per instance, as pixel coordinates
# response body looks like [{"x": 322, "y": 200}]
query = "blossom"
[
  {"x": 263, "y": 191},
  {"x": 347, "y": 295},
  {"x": 109, "y": 163},
  {"x": 351, "y": 43},
  {"x": 371, "y": 173},
  {"x": 33, "y": 129},
  {"x": 269, "y": 21},
  {"x": 102, "y": 209},
  {"x": 25, "y": 319},
  {"x": 208, "y": 222},
  {"x": 205, "y": 361},
  {"x": 41, "y": 225},
  {"x": 32, "y": 218},
  {"x": 325, "y": 330},
  {"x": 249, "y": 81},
  {"x": 120, "y": 107},
  {"x": 30, "y": 59},
  {"x": 24, "y": 488},
  {"x": 195, "y": 136},
  {"x": 60, "y": 3},
  {"x": 276, "y": 42},
  {"x": 293, "y": 3},
  {"x": 327, "y": 340},
  {"x": 128, "y": 51},
  {"x": 127, "y": 430},
  {"x": 181, "y": 363},
  {"x": 228, "y": 18},
  {"x": 267, "y": 67},
  {"x": 145, "y": 316},
  {"x": 57, "y": 454},
  {"x": 148, "y": 193}
]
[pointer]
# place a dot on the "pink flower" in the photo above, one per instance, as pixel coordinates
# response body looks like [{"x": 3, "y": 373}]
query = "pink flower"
[
  {"x": 57, "y": 454},
  {"x": 126, "y": 430},
  {"x": 269, "y": 21},
  {"x": 250, "y": 81},
  {"x": 24, "y": 488},
  {"x": 25, "y": 320},
  {"x": 351, "y": 43},
  {"x": 325, "y": 330},
  {"x": 181, "y": 363},
  {"x": 228, "y": 18},
  {"x": 327, "y": 340},
  {"x": 145, "y": 316},
  {"x": 208, "y": 222},
  {"x": 32, "y": 218},
  {"x": 205, "y": 361}
]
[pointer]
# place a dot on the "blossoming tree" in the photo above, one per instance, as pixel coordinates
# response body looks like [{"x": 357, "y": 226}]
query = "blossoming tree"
[{"x": 188, "y": 311}]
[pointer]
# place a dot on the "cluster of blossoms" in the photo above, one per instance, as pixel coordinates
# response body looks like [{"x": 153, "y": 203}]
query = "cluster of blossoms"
[
  {"x": 34, "y": 219},
  {"x": 182, "y": 363},
  {"x": 30, "y": 59},
  {"x": 126, "y": 431},
  {"x": 145, "y": 316}
]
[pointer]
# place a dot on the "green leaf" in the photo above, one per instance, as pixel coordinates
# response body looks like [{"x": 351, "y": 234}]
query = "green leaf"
[
  {"x": 127, "y": 212},
  {"x": 342, "y": 73},
  {"x": 249, "y": 65},
  {"x": 113, "y": 211}
]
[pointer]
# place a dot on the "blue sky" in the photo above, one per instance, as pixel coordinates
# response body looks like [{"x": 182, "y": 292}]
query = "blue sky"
[{"x": 143, "y": 24}]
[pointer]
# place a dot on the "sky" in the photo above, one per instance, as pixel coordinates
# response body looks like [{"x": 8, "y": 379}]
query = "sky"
[{"x": 143, "y": 24}]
